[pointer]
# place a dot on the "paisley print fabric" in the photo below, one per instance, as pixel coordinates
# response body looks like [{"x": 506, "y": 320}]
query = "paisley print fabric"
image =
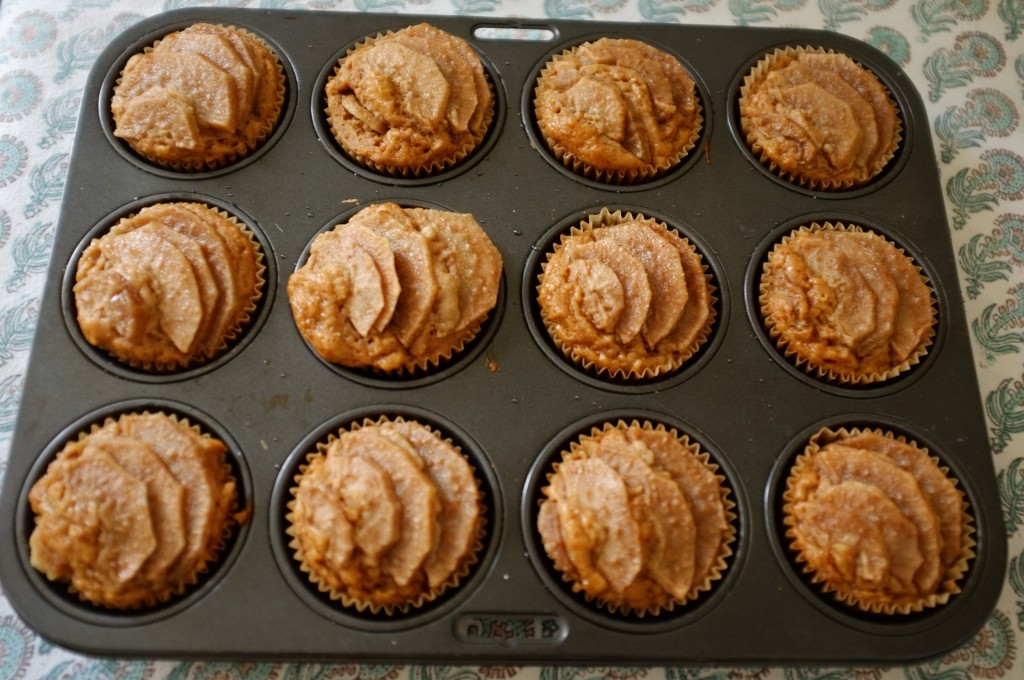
[{"x": 966, "y": 58}]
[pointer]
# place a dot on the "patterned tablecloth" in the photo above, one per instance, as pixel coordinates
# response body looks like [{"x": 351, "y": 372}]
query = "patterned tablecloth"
[{"x": 965, "y": 56}]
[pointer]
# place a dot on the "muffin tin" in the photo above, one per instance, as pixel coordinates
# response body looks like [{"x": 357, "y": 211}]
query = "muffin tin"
[{"x": 511, "y": 401}]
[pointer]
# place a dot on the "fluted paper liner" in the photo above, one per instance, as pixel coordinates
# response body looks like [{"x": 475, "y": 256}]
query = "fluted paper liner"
[
  {"x": 952, "y": 578},
  {"x": 232, "y": 516},
  {"x": 826, "y": 374},
  {"x": 427, "y": 594},
  {"x": 661, "y": 366},
  {"x": 666, "y": 603},
  {"x": 242, "y": 147},
  {"x": 758, "y": 73},
  {"x": 623, "y": 177},
  {"x": 421, "y": 365},
  {"x": 435, "y": 166}
]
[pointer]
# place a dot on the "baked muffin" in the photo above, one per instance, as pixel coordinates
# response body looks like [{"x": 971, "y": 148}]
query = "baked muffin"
[
  {"x": 410, "y": 102},
  {"x": 877, "y": 521},
  {"x": 168, "y": 287},
  {"x": 386, "y": 516},
  {"x": 636, "y": 518},
  {"x": 199, "y": 98},
  {"x": 846, "y": 304},
  {"x": 134, "y": 511},
  {"x": 617, "y": 110},
  {"x": 396, "y": 289},
  {"x": 625, "y": 296},
  {"x": 818, "y": 118}
]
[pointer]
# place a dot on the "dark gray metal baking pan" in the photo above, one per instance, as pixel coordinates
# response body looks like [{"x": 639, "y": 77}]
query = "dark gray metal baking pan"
[{"x": 511, "y": 400}]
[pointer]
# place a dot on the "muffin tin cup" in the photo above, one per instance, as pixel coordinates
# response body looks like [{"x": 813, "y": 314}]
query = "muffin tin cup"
[
  {"x": 808, "y": 374},
  {"x": 416, "y": 376},
  {"x": 892, "y": 168},
  {"x": 693, "y": 156},
  {"x": 437, "y": 607},
  {"x": 701, "y": 356},
  {"x": 147, "y": 39},
  {"x": 318, "y": 115},
  {"x": 58, "y": 594},
  {"x": 882, "y": 624},
  {"x": 235, "y": 345},
  {"x": 510, "y": 396},
  {"x": 668, "y": 619}
]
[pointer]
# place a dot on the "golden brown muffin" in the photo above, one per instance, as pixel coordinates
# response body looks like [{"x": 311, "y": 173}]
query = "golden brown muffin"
[
  {"x": 818, "y": 118},
  {"x": 168, "y": 287},
  {"x": 877, "y": 521},
  {"x": 617, "y": 110},
  {"x": 386, "y": 516},
  {"x": 411, "y": 102},
  {"x": 846, "y": 304},
  {"x": 626, "y": 296},
  {"x": 636, "y": 518},
  {"x": 396, "y": 289},
  {"x": 199, "y": 98},
  {"x": 134, "y": 511}
]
